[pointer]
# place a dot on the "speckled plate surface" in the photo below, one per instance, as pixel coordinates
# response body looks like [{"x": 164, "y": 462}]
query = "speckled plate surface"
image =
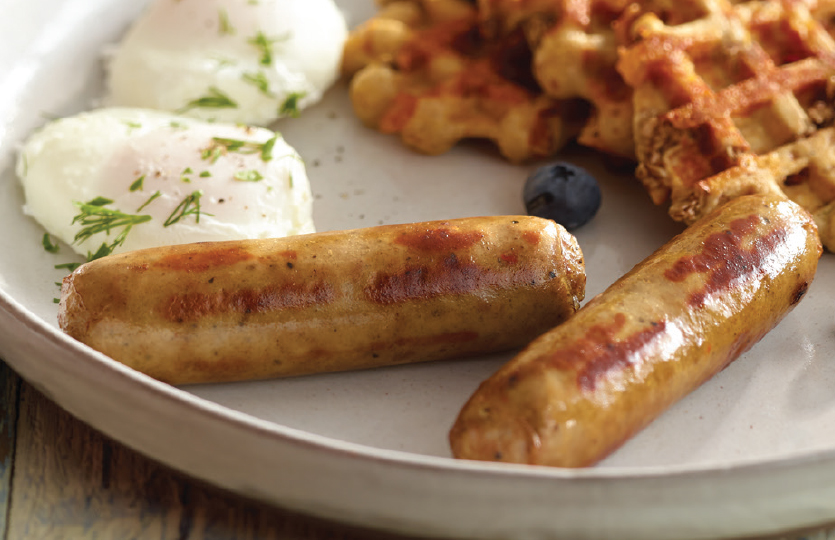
[{"x": 751, "y": 452}]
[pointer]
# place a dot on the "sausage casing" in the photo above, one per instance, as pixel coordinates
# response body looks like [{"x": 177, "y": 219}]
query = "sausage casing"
[
  {"x": 578, "y": 392},
  {"x": 328, "y": 301}
]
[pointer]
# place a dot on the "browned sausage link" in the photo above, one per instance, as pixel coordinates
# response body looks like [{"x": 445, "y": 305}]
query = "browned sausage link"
[
  {"x": 328, "y": 301},
  {"x": 581, "y": 390}
]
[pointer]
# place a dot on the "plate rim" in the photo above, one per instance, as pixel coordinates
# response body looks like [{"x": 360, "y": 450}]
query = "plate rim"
[{"x": 362, "y": 460}]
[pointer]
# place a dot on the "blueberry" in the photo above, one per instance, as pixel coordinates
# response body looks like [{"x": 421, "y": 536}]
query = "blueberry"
[{"x": 566, "y": 193}]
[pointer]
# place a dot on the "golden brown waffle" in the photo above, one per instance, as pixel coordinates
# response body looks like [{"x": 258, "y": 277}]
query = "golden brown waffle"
[
  {"x": 575, "y": 53},
  {"x": 423, "y": 70},
  {"x": 732, "y": 99}
]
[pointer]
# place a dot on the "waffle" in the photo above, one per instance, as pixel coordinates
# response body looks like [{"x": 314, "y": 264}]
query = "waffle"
[
  {"x": 575, "y": 54},
  {"x": 424, "y": 70},
  {"x": 732, "y": 99}
]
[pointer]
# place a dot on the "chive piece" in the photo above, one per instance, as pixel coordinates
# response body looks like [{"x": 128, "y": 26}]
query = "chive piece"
[
  {"x": 267, "y": 149},
  {"x": 205, "y": 174},
  {"x": 131, "y": 125},
  {"x": 48, "y": 245},
  {"x": 224, "y": 26},
  {"x": 99, "y": 201},
  {"x": 290, "y": 107},
  {"x": 265, "y": 45},
  {"x": 259, "y": 80},
  {"x": 214, "y": 99},
  {"x": 137, "y": 184},
  {"x": 249, "y": 176},
  {"x": 67, "y": 266}
]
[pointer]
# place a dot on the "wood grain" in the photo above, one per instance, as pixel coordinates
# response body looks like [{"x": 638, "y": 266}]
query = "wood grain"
[
  {"x": 9, "y": 388},
  {"x": 62, "y": 480},
  {"x": 71, "y": 482}
]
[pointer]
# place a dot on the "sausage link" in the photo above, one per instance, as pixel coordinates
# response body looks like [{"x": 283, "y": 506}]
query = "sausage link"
[
  {"x": 329, "y": 301},
  {"x": 578, "y": 392}
]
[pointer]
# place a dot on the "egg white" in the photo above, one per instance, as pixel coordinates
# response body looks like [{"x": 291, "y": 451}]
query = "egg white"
[
  {"x": 270, "y": 58},
  {"x": 128, "y": 155}
]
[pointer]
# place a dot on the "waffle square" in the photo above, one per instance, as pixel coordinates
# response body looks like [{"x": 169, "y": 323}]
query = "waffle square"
[
  {"x": 423, "y": 69},
  {"x": 732, "y": 99}
]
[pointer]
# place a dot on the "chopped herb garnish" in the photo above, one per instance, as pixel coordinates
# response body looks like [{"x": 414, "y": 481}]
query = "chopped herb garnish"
[
  {"x": 214, "y": 99},
  {"x": 177, "y": 125},
  {"x": 249, "y": 176},
  {"x": 290, "y": 107},
  {"x": 224, "y": 26},
  {"x": 56, "y": 301},
  {"x": 221, "y": 145},
  {"x": 95, "y": 219},
  {"x": 137, "y": 184},
  {"x": 48, "y": 245},
  {"x": 131, "y": 125},
  {"x": 100, "y": 201},
  {"x": 205, "y": 174},
  {"x": 265, "y": 45},
  {"x": 103, "y": 251},
  {"x": 212, "y": 153},
  {"x": 259, "y": 80},
  {"x": 67, "y": 266},
  {"x": 223, "y": 62},
  {"x": 151, "y": 198},
  {"x": 190, "y": 206},
  {"x": 267, "y": 149}
]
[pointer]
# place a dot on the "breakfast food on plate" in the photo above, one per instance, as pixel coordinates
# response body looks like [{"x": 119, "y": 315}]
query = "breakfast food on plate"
[
  {"x": 574, "y": 50},
  {"x": 564, "y": 192},
  {"x": 733, "y": 100},
  {"x": 714, "y": 99},
  {"x": 580, "y": 391},
  {"x": 229, "y": 60},
  {"x": 528, "y": 75},
  {"x": 423, "y": 71},
  {"x": 113, "y": 180},
  {"x": 327, "y": 301}
]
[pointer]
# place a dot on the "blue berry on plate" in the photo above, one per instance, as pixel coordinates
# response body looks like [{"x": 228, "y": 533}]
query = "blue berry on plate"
[{"x": 564, "y": 192}]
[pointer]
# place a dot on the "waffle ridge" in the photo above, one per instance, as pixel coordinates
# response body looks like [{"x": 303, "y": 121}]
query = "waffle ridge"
[{"x": 732, "y": 100}]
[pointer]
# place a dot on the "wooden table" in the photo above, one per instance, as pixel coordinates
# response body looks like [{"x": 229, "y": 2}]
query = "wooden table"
[{"x": 60, "y": 479}]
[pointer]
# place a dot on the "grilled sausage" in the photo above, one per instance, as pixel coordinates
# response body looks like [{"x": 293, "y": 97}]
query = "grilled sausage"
[
  {"x": 580, "y": 391},
  {"x": 326, "y": 302}
]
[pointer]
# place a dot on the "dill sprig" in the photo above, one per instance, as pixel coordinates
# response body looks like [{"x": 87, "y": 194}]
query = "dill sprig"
[
  {"x": 95, "y": 218},
  {"x": 221, "y": 145},
  {"x": 189, "y": 206}
]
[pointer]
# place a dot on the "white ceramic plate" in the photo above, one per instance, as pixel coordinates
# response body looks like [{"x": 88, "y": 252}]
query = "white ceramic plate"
[{"x": 751, "y": 452}]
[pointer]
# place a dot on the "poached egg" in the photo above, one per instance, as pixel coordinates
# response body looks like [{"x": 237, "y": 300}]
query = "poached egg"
[
  {"x": 247, "y": 61},
  {"x": 157, "y": 179}
]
